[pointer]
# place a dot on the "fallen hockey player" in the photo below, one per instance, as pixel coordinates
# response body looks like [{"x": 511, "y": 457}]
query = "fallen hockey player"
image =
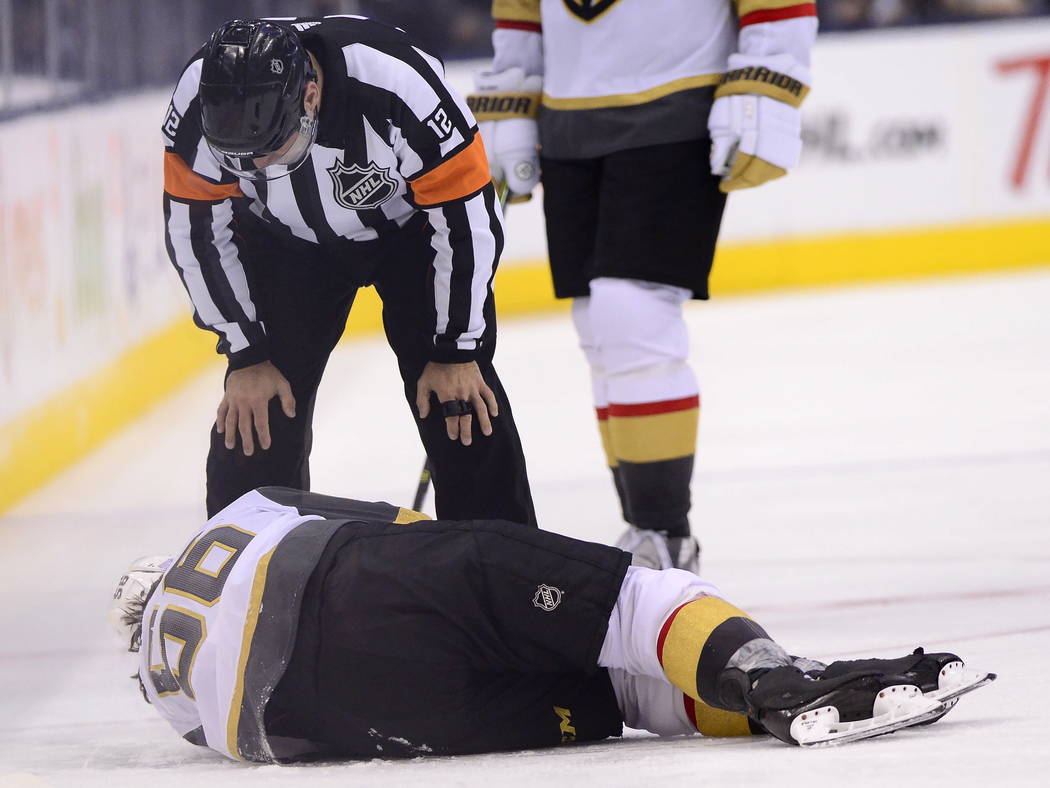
[{"x": 301, "y": 625}]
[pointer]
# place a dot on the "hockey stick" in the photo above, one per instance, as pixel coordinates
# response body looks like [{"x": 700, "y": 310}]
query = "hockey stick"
[
  {"x": 503, "y": 194},
  {"x": 422, "y": 487}
]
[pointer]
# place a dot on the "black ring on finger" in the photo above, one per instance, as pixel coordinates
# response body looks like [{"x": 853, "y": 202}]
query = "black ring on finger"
[{"x": 456, "y": 407}]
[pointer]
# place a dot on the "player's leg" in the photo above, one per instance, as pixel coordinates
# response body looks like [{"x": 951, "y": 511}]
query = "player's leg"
[
  {"x": 487, "y": 479},
  {"x": 656, "y": 705},
  {"x": 671, "y": 625},
  {"x": 571, "y": 191},
  {"x": 452, "y": 637},
  {"x": 653, "y": 413},
  {"x": 303, "y": 300},
  {"x": 445, "y": 638},
  {"x": 658, "y": 223},
  {"x": 482, "y": 635}
]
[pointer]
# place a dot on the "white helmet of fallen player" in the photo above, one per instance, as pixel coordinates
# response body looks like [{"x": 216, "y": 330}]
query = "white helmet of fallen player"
[{"x": 129, "y": 598}]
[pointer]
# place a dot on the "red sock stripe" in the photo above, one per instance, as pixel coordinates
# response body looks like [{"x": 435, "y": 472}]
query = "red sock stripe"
[
  {"x": 510, "y": 24},
  {"x": 690, "y": 710},
  {"x": 777, "y": 14},
  {"x": 655, "y": 408},
  {"x": 603, "y": 414},
  {"x": 665, "y": 629}
]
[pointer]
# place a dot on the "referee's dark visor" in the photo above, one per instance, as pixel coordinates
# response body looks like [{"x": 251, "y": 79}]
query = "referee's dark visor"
[{"x": 252, "y": 131}]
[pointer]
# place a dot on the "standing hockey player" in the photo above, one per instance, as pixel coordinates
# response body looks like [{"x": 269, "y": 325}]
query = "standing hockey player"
[
  {"x": 307, "y": 158},
  {"x": 294, "y": 624},
  {"x": 648, "y": 113}
]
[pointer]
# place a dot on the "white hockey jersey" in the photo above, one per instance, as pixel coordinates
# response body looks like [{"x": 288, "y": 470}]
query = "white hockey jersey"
[
  {"x": 219, "y": 628},
  {"x": 619, "y": 74}
]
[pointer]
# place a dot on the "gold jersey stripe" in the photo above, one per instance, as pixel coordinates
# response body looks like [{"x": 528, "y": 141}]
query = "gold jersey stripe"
[
  {"x": 662, "y": 436},
  {"x": 716, "y": 722},
  {"x": 516, "y": 10},
  {"x": 409, "y": 516},
  {"x": 685, "y": 639},
  {"x": 251, "y": 620},
  {"x": 631, "y": 99},
  {"x": 745, "y": 7},
  {"x": 501, "y": 106},
  {"x": 764, "y": 82}
]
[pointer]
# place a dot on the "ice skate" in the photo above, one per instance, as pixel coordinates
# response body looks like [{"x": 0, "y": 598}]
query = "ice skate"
[
  {"x": 942, "y": 677},
  {"x": 656, "y": 550},
  {"x": 805, "y": 711}
]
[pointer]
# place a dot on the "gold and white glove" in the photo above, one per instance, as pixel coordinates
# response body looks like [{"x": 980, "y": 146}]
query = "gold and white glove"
[
  {"x": 129, "y": 599},
  {"x": 506, "y": 105},
  {"x": 755, "y": 124}
]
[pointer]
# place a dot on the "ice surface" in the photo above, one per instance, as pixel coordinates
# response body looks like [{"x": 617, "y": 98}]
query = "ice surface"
[{"x": 874, "y": 474}]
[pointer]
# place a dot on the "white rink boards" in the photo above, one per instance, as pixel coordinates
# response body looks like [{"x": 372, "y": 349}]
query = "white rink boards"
[{"x": 874, "y": 474}]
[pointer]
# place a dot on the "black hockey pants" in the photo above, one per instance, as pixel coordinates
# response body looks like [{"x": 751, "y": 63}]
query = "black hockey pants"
[
  {"x": 303, "y": 295},
  {"x": 449, "y": 638}
]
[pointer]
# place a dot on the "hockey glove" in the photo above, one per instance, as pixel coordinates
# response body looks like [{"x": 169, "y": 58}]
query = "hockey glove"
[
  {"x": 129, "y": 600},
  {"x": 755, "y": 124},
  {"x": 506, "y": 105}
]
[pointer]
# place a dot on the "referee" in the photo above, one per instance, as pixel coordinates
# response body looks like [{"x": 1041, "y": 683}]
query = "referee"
[{"x": 305, "y": 159}]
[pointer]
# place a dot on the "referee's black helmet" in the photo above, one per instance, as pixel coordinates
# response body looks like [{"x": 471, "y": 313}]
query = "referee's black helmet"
[{"x": 253, "y": 81}]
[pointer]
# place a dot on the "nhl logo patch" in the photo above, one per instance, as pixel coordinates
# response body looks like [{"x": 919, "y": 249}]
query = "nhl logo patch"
[
  {"x": 360, "y": 188},
  {"x": 547, "y": 597},
  {"x": 589, "y": 10}
]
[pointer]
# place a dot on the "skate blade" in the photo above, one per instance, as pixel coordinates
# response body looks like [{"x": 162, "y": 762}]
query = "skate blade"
[
  {"x": 896, "y": 707},
  {"x": 955, "y": 680}
]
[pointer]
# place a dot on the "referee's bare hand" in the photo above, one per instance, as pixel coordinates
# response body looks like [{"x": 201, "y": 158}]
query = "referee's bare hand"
[
  {"x": 246, "y": 404},
  {"x": 452, "y": 382}
]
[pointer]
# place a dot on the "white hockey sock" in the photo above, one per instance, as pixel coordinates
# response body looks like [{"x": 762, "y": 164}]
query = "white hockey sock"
[{"x": 647, "y": 597}]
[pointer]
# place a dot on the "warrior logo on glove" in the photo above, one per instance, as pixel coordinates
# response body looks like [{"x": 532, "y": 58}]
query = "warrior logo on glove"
[{"x": 358, "y": 188}]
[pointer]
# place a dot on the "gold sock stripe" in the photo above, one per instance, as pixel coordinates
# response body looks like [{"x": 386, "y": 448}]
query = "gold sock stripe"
[
  {"x": 763, "y": 81},
  {"x": 716, "y": 722},
  {"x": 603, "y": 430},
  {"x": 502, "y": 106},
  {"x": 654, "y": 438},
  {"x": 683, "y": 636}
]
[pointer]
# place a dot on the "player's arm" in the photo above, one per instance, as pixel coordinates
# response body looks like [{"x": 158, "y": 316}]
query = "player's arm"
[
  {"x": 755, "y": 123},
  {"x": 198, "y": 234},
  {"x": 198, "y": 214},
  {"x": 506, "y": 98},
  {"x": 442, "y": 158}
]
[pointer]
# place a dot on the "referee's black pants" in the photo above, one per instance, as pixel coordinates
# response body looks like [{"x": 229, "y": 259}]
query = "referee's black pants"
[{"x": 303, "y": 294}]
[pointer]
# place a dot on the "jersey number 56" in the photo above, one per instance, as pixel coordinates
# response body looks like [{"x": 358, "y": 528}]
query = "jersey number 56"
[{"x": 199, "y": 574}]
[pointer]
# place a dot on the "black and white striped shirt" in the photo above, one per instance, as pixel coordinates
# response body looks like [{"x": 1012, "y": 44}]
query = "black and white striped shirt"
[{"x": 394, "y": 139}]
